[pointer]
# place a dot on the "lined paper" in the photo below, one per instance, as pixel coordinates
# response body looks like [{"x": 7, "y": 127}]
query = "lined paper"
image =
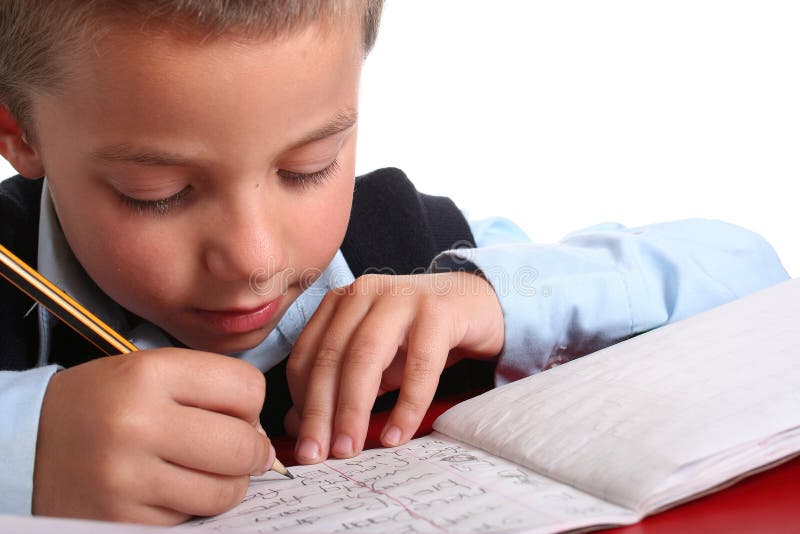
[
  {"x": 433, "y": 484},
  {"x": 628, "y": 422}
]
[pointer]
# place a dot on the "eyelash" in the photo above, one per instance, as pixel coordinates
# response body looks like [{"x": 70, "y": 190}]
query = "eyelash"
[
  {"x": 310, "y": 179},
  {"x": 163, "y": 206}
]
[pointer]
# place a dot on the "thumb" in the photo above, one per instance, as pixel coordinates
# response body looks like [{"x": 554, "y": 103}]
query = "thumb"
[{"x": 270, "y": 452}]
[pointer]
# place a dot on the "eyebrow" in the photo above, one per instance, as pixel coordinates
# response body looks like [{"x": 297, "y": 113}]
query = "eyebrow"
[{"x": 127, "y": 153}]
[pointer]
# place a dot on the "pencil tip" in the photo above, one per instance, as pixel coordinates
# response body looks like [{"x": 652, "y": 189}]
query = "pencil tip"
[{"x": 280, "y": 468}]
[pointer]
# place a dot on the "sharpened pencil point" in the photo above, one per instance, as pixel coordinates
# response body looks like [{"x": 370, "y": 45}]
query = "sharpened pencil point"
[{"x": 277, "y": 466}]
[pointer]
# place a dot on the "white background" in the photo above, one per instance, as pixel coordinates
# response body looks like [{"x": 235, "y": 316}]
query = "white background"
[{"x": 563, "y": 114}]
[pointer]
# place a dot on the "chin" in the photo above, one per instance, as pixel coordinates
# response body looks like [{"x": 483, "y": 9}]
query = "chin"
[{"x": 230, "y": 344}]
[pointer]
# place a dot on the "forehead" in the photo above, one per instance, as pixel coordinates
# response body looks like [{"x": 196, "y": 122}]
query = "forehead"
[
  {"x": 209, "y": 19},
  {"x": 131, "y": 56},
  {"x": 146, "y": 84}
]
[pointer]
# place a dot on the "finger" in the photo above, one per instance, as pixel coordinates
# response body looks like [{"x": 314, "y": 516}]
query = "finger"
[
  {"x": 369, "y": 353},
  {"x": 304, "y": 351},
  {"x": 150, "y": 515},
  {"x": 291, "y": 422},
  {"x": 429, "y": 342},
  {"x": 205, "y": 380},
  {"x": 318, "y": 407},
  {"x": 194, "y": 492},
  {"x": 212, "y": 442},
  {"x": 135, "y": 512}
]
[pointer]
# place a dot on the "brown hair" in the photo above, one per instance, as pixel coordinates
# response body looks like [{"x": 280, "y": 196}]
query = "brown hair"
[{"x": 36, "y": 34}]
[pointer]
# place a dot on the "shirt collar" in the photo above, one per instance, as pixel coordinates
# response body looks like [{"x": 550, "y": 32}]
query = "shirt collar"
[{"x": 57, "y": 263}]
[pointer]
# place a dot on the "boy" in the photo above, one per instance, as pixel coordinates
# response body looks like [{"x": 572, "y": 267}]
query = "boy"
[{"x": 199, "y": 162}]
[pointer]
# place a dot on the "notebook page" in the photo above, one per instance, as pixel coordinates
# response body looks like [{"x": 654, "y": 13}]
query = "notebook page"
[
  {"x": 432, "y": 484},
  {"x": 619, "y": 422},
  {"x": 18, "y": 524},
  {"x": 722, "y": 470}
]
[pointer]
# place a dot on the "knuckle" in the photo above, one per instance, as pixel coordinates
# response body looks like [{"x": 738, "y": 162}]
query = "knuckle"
[
  {"x": 365, "y": 280},
  {"x": 240, "y": 485},
  {"x": 330, "y": 298},
  {"x": 113, "y": 511},
  {"x": 254, "y": 386},
  {"x": 370, "y": 282},
  {"x": 316, "y": 412},
  {"x": 144, "y": 369},
  {"x": 365, "y": 353},
  {"x": 226, "y": 495},
  {"x": 411, "y": 404},
  {"x": 254, "y": 379},
  {"x": 295, "y": 368},
  {"x": 420, "y": 369},
  {"x": 245, "y": 450},
  {"x": 348, "y": 411},
  {"x": 301, "y": 346},
  {"x": 115, "y": 477},
  {"x": 433, "y": 305},
  {"x": 260, "y": 456},
  {"x": 327, "y": 358},
  {"x": 127, "y": 421}
]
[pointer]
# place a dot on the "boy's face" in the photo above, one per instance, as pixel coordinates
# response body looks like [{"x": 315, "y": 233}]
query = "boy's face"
[{"x": 176, "y": 169}]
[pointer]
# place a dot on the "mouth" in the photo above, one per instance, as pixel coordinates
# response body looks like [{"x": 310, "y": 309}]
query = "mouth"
[{"x": 239, "y": 320}]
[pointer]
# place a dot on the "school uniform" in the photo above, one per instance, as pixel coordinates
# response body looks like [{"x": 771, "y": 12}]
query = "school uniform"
[{"x": 597, "y": 286}]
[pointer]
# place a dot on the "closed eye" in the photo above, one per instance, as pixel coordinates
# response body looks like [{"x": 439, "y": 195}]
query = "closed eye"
[
  {"x": 160, "y": 206},
  {"x": 312, "y": 178}
]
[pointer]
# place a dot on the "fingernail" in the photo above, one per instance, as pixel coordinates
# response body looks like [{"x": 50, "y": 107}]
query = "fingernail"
[
  {"x": 392, "y": 436},
  {"x": 343, "y": 446},
  {"x": 267, "y": 464},
  {"x": 307, "y": 450},
  {"x": 270, "y": 459},
  {"x": 270, "y": 456}
]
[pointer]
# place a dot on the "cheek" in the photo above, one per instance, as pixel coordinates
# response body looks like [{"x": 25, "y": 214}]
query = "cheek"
[
  {"x": 131, "y": 271},
  {"x": 100, "y": 237},
  {"x": 129, "y": 263},
  {"x": 141, "y": 274},
  {"x": 324, "y": 223}
]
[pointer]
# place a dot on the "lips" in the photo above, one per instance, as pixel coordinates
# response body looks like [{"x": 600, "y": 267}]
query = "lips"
[{"x": 240, "y": 321}]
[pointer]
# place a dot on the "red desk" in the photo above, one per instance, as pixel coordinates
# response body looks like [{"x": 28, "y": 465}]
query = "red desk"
[{"x": 768, "y": 502}]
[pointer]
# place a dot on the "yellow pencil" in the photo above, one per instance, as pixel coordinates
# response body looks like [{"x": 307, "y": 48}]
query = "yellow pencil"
[{"x": 32, "y": 283}]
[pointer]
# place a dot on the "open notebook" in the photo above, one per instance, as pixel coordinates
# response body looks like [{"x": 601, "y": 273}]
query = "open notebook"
[
  {"x": 606, "y": 439},
  {"x": 602, "y": 440}
]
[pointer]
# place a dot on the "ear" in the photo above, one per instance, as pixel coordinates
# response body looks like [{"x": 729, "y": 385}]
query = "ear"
[{"x": 16, "y": 149}]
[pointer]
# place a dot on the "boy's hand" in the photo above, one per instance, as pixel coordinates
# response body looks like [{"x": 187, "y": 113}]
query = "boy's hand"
[
  {"x": 379, "y": 334},
  {"x": 151, "y": 437}
]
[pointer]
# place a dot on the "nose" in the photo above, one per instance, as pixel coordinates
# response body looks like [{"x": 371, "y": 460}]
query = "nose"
[{"x": 243, "y": 239}]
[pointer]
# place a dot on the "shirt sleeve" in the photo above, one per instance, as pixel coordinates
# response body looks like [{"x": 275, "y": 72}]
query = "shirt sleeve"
[
  {"x": 606, "y": 283},
  {"x": 21, "y": 396}
]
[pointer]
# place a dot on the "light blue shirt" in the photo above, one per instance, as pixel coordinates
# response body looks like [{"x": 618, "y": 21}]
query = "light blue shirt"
[{"x": 597, "y": 286}]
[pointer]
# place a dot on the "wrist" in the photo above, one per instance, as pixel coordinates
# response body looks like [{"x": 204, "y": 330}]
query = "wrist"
[{"x": 485, "y": 334}]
